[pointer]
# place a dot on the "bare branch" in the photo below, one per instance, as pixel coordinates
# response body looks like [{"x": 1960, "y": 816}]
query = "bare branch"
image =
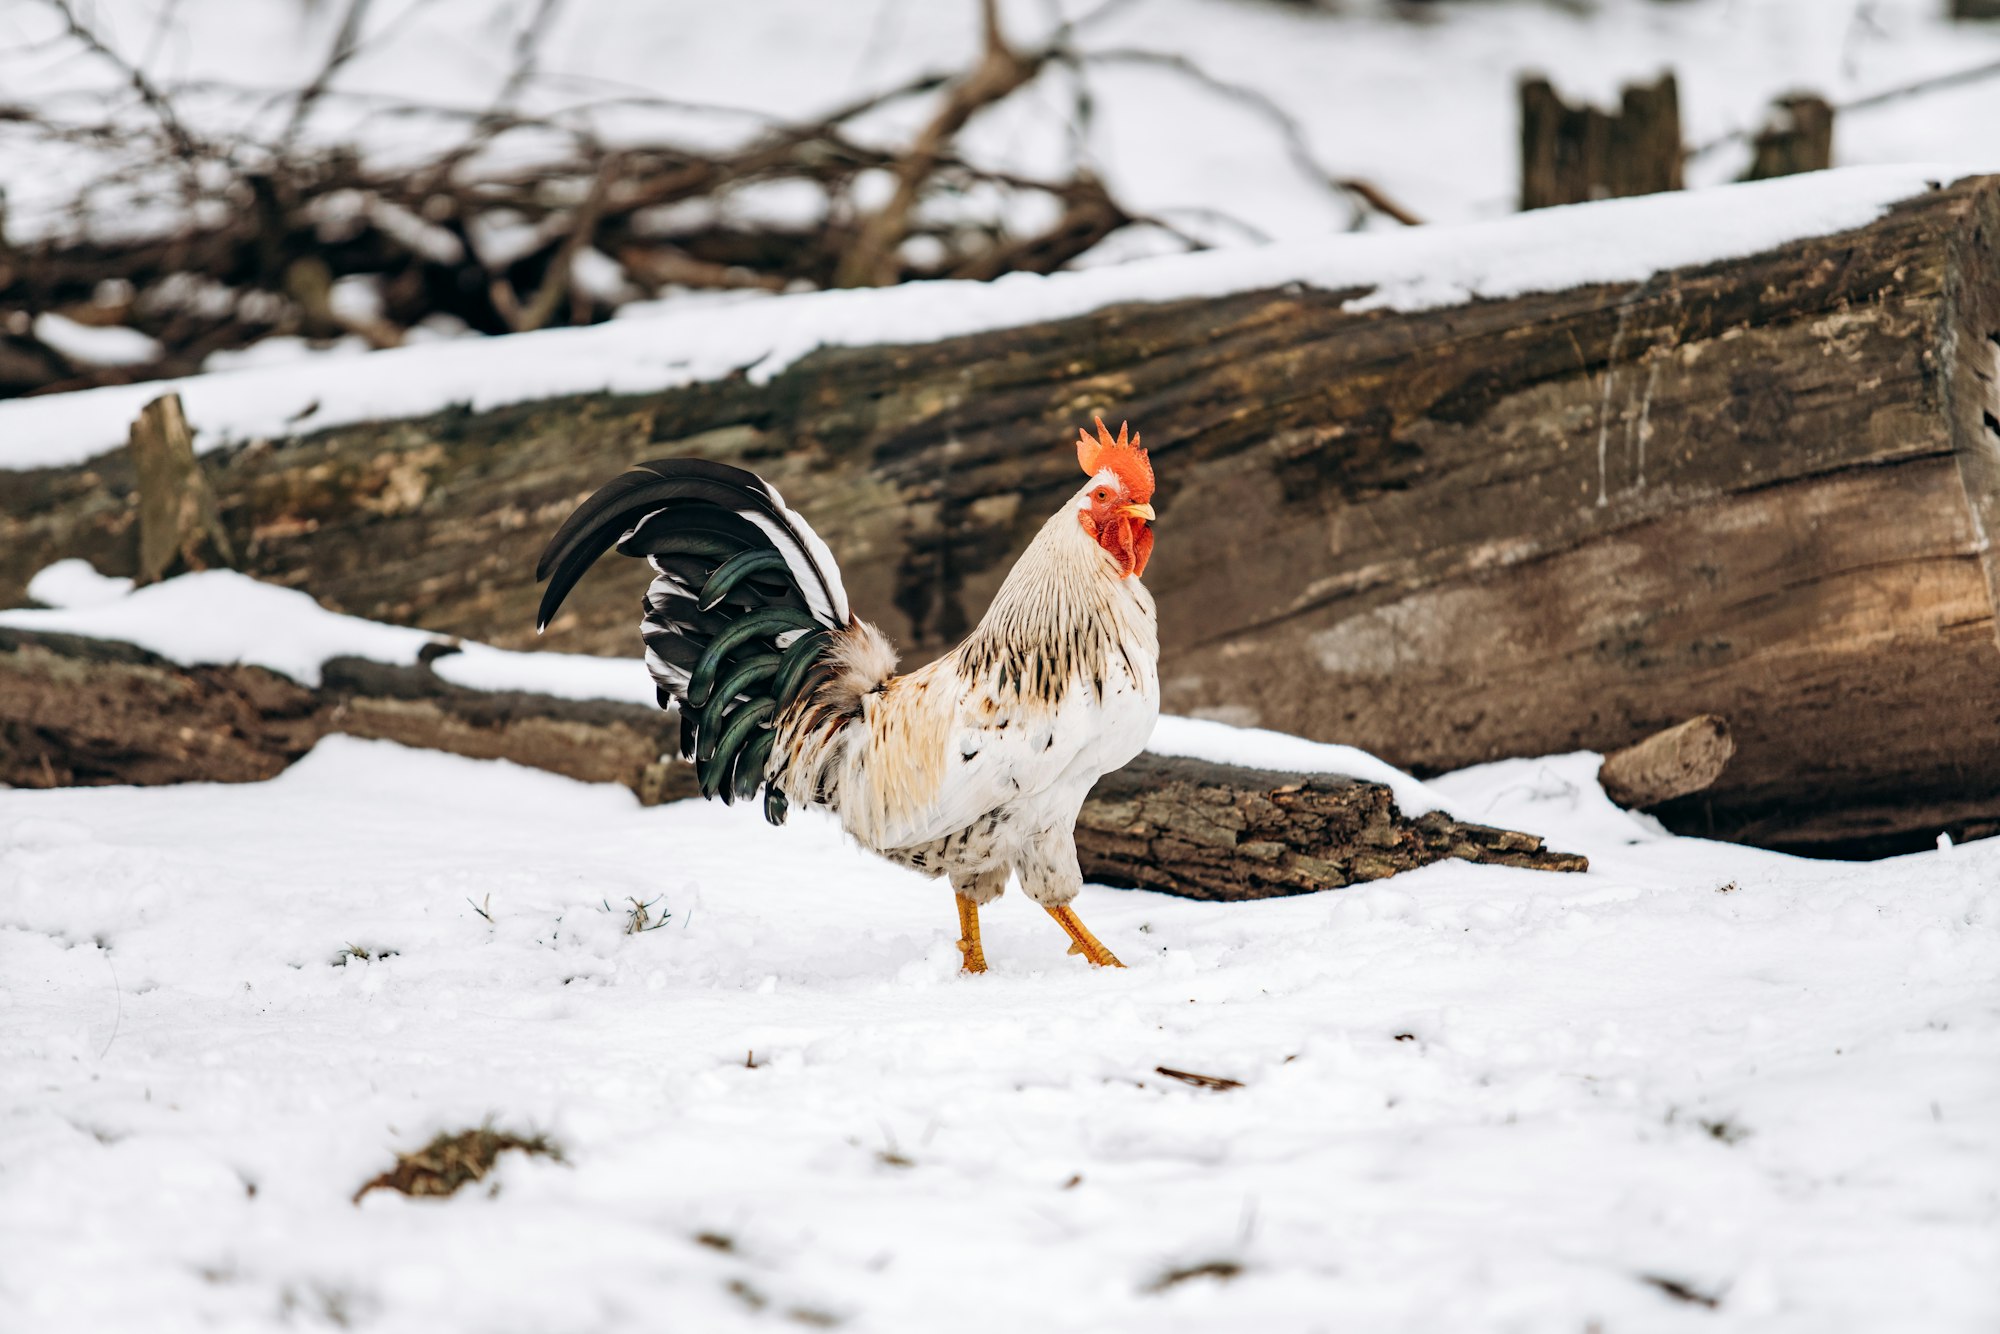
[
  {"x": 183, "y": 142},
  {"x": 868, "y": 262},
  {"x": 557, "y": 280}
]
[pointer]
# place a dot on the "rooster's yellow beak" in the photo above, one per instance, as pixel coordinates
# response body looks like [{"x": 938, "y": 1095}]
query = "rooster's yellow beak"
[{"x": 1139, "y": 512}]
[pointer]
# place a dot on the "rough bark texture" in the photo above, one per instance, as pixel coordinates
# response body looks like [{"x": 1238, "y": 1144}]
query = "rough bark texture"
[
  {"x": 1758, "y": 488},
  {"x": 89, "y": 711},
  {"x": 1572, "y": 155},
  {"x": 1213, "y": 831}
]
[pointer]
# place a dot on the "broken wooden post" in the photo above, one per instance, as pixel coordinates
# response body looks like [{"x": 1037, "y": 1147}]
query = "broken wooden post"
[
  {"x": 1798, "y": 139},
  {"x": 178, "y": 517},
  {"x": 1683, "y": 759},
  {"x": 1571, "y": 155}
]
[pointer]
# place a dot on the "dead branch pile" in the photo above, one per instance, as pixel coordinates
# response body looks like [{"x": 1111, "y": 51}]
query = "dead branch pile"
[{"x": 528, "y": 221}]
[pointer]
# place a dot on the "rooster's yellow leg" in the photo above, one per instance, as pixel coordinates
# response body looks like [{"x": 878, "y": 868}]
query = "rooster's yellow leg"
[
  {"x": 1081, "y": 941},
  {"x": 968, "y": 935}
]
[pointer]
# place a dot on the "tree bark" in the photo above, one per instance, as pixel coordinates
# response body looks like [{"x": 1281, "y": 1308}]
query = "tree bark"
[
  {"x": 1216, "y": 831},
  {"x": 1759, "y": 488},
  {"x": 77, "y": 711}
]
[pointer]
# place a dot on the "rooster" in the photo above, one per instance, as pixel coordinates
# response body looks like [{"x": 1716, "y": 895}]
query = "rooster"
[{"x": 971, "y": 767}]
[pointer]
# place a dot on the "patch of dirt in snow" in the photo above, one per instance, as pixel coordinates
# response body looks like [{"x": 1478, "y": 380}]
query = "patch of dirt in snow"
[
  {"x": 451, "y": 1161},
  {"x": 1467, "y": 1098}
]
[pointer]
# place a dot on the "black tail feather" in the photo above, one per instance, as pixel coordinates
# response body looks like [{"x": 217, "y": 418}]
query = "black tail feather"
[{"x": 688, "y": 518}]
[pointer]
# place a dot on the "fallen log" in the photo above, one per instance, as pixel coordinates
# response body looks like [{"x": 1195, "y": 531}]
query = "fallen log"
[
  {"x": 1758, "y": 488},
  {"x": 1217, "y": 831},
  {"x": 78, "y": 711}
]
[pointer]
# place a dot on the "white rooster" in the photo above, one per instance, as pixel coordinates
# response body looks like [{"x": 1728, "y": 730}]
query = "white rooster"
[{"x": 971, "y": 767}]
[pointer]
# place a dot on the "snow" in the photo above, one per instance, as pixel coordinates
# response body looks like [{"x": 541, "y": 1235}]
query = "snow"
[
  {"x": 223, "y": 617},
  {"x": 1220, "y": 743},
  {"x": 107, "y": 345},
  {"x": 1473, "y": 1097},
  {"x": 1424, "y": 109},
  {"x": 1413, "y": 269}
]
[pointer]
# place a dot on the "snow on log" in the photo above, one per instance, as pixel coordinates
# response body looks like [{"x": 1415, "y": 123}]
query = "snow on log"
[
  {"x": 1556, "y": 520},
  {"x": 75, "y": 710}
]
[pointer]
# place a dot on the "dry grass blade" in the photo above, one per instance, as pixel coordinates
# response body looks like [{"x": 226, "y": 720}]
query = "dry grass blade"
[
  {"x": 1215, "y": 1082},
  {"x": 1219, "y": 1270},
  {"x": 1681, "y": 1292},
  {"x": 451, "y": 1161}
]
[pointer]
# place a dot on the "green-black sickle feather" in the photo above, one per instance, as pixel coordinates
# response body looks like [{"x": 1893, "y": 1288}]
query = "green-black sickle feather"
[
  {"x": 694, "y": 544},
  {"x": 799, "y": 658},
  {"x": 769, "y": 621},
  {"x": 733, "y": 572},
  {"x": 774, "y": 805},
  {"x": 741, "y": 724},
  {"x": 738, "y": 681},
  {"x": 750, "y": 764}
]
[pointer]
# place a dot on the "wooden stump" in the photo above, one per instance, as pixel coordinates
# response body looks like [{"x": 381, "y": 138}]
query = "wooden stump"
[
  {"x": 1572, "y": 155},
  {"x": 1798, "y": 139},
  {"x": 179, "y": 527}
]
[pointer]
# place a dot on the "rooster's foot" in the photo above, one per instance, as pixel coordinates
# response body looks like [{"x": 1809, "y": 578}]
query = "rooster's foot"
[
  {"x": 1081, "y": 941},
  {"x": 968, "y": 935}
]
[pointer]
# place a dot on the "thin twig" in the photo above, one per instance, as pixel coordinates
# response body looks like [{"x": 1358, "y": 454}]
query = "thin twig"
[
  {"x": 1902, "y": 92},
  {"x": 1360, "y": 194},
  {"x": 346, "y": 44}
]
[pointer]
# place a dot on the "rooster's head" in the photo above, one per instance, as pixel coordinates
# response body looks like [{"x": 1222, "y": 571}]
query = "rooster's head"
[{"x": 1116, "y": 507}]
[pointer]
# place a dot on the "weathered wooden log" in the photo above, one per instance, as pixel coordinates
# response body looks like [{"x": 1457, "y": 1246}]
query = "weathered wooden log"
[
  {"x": 1798, "y": 139},
  {"x": 76, "y": 711},
  {"x": 1759, "y": 488},
  {"x": 1215, "y": 831},
  {"x": 1572, "y": 155},
  {"x": 1682, "y": 760},
  {"x": 88, "y": 711}
]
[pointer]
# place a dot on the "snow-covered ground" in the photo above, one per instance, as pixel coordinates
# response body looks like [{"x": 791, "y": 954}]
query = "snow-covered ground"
[{"x": 1472, "y": 1098}]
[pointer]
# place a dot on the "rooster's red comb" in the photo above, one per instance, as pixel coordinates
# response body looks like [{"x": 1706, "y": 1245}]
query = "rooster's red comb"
[{"x": 1124, "y": 458}]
